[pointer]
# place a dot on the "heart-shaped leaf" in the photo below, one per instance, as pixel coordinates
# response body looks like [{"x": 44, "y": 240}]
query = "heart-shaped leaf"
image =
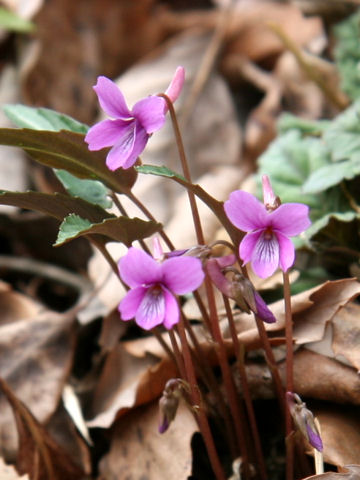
[{"x": 122, "y": 229}]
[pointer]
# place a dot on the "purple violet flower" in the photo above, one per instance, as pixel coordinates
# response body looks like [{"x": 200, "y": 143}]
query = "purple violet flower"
[
  {"x": 130, "y": 130},
  {"x": 266, "y": 243},
  {"x": 151, "y": 299}
]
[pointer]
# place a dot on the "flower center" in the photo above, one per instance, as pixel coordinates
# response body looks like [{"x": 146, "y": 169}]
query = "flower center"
[
  {"x": 268, "y": 233},
  {"x": 155, "y": 291}
]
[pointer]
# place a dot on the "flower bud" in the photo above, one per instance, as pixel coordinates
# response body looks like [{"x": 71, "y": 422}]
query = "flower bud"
[
  {"x": 304, "y": 420},
  {"x": 271, "y": 201},
  {"x": 169, "y": 402},
  {"x": 176, "y": 84}
]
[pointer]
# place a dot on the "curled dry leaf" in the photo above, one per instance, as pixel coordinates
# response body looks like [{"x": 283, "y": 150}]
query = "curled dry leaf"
[
  {"x": 39, "y": 455},
  {"x": 36, "y": 352},
  {"x": 166, "y": 456},
  {"x": 312, "y": 309}
]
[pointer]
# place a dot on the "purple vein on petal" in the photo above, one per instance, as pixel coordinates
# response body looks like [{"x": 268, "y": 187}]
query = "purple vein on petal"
[{"x": 151, "y": 311}]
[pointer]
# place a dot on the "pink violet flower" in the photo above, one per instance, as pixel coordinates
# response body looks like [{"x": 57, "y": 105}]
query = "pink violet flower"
[
  {"x": 129, "y": 130},
  {"x": 151, "y": 300},
  {"x": 267, "y": 244}
]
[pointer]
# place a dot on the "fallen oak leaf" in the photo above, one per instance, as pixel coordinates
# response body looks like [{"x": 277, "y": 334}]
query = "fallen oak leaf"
[
  {"x": 39, "y": 455},
  {"x": 36, "y": 351},
  {"x": 138, "y": 432}
]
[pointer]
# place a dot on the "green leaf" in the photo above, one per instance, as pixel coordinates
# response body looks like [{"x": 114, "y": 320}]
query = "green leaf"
[
  {"x": 332, "y": 174},
  {"x": 14, "y": 23},
  {"x": 92, "y": 191},
  {"x": 56, "y": 205},
  {"x": 67, "y": 150},
  {"x": 42, "y": 119},
  {"x": 343, "y": 136},
  {"x": 289, "y": 161},
  {"x": 322, "y": 222},
  {"x": 287, "y": 121},
  {"x": 123, "y": 229},
  {"x": 159, "y": 171},
  {"x": 347, "y": 54}
]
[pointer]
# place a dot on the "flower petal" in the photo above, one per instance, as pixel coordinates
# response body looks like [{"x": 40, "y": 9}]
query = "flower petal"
[
  {"x": 138, "y": 268},
  {"x": 111, "y": 99},
  {"x": 105, "y": 133},
  {"x": 314, "y": 438},
  {"x": 265, "y": 257},
  {"x": 182, "y": 274},
  {"x": 176, "y": 84},
  {"x": 245, "y": 211},
  {"x": 248, "y": 244},
  {"x": 151, "y": 311},
  {"x": 291, "y": 218},
  {"x": 150, "y": 113},
  {"x": 172, "y": 313},
  {"x": 287, "y": 252},
  {"x": 125, "y": 153},
  {"x": 131, "y": 302},
  {"x": 263, "y": 310}
]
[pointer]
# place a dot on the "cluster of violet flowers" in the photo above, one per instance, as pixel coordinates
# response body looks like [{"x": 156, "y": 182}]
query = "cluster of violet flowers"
[{"x": 156, "y": 282}]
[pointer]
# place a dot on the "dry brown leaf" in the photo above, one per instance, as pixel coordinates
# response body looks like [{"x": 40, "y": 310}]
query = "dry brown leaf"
[
  {"x": 315, "y": 376},
  {"x": 36, "y": 356},
  {"x": 348, "y": 472},
  {"x": 125, "y": 382},
  {"x": 323, "y": 378},
  {"x": 340, "y": 432},
  {"x": 14, "y": 306},
  {"x": 139, "y": 451},
  {"x": 311, "y": 309},
  {"x": 82, "y": 34},
  {"x": 39, "y": 455},
  {"x": 256, "y": 41},
  {"x": 346, "y": 334}
]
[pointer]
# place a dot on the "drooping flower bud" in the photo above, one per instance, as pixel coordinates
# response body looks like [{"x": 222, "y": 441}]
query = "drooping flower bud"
[
  {"x": 238, "y": 288},
  {"x": 169, "y": 402},
  {"x": 304, "y": 420}
]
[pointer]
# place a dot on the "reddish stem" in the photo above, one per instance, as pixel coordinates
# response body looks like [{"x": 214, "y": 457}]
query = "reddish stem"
[
  {"x": 289, "y": 374},
  {"x": 197, "y": 403},
  {"x": 239, "y": 349}
]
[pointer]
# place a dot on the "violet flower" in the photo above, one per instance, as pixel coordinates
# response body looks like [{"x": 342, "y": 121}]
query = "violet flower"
[
  {"x": 266, "y": 244},
  {"x": 129, "y": 130},
  {"x": 151, "y": 299}
]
